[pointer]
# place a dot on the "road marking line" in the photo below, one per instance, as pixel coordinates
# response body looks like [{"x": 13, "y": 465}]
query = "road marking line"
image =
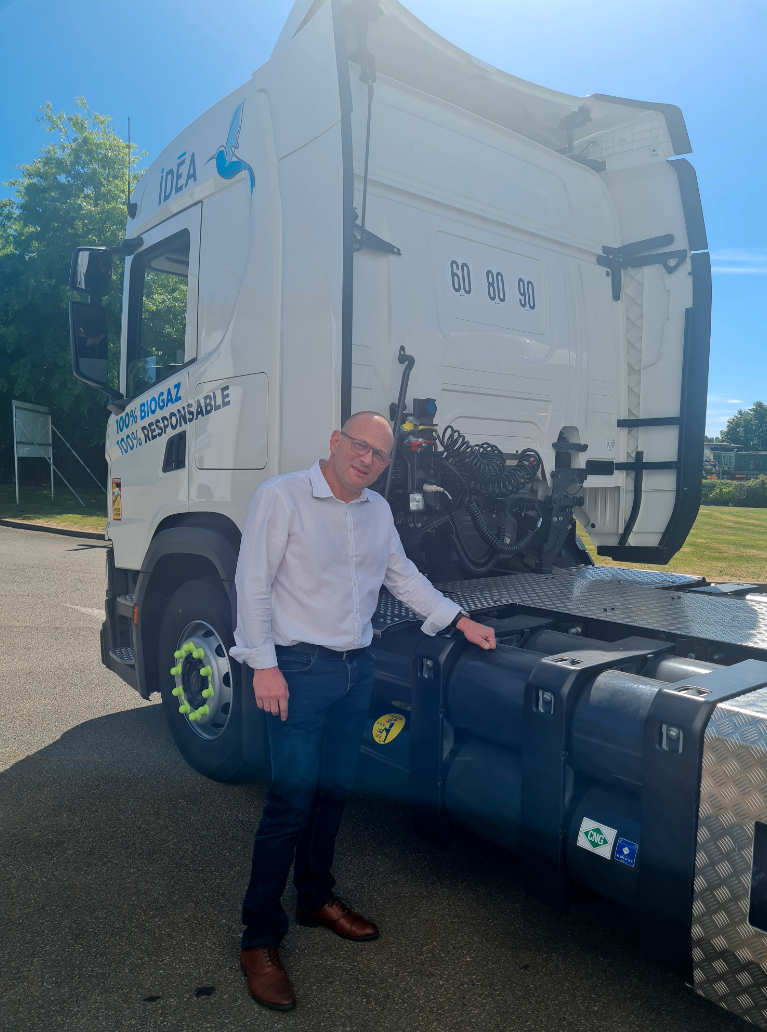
[
  {"x": 91, "y": 612},
  {"x": 56, "y": 759}
]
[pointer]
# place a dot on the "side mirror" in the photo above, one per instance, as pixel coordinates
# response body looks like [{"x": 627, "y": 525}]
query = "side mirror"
[
  {"x": 90, "y": 354},
  {"x": 91, "y": 271}
]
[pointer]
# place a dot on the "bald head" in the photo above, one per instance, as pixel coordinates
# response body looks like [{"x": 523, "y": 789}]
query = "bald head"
[{"x": 365, "y": 422}]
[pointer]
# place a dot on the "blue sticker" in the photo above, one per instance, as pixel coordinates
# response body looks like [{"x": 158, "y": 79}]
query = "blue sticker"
[{"x": 626, "y": 852}]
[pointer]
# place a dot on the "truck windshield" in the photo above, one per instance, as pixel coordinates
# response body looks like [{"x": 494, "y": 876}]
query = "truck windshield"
[{"x": 157, "y": 314}]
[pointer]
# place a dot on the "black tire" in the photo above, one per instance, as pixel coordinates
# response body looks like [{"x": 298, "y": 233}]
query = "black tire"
[{"x": 219, "y": 758}]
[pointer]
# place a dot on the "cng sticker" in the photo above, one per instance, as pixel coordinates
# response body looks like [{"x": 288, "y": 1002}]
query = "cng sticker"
[
  {"x": 597, "y": 838},
  {"x": 388, "y": 727}
]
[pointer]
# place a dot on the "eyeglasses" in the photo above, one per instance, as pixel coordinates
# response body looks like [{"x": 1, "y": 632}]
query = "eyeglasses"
[{"x": 361, "y": 448}]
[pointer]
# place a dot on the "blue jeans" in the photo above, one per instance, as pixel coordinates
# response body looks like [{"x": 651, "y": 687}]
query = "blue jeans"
[{"x": 314, "y": 753}]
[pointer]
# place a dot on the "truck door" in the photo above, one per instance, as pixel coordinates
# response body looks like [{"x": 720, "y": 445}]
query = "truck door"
[{"x": 147, "y": 444}]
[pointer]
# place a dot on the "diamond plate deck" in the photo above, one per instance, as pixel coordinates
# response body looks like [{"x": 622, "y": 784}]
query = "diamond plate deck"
[
  {"x": 729, "y": 954},
  {"x": 619, "y": 599},
  {"x": 646, "y": 578}
]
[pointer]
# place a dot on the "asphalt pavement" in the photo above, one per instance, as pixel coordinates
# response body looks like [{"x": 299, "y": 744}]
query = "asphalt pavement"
[{"x": 123, "y": 872}]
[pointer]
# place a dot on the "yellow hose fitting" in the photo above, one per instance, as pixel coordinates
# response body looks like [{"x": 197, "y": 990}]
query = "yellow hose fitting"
[
  {"x": 207, "y": 693},
  {"x": 185, "y": 708},
  {"x": 177, "y": 692},
  {"x": 188, "y": 646},
  {"x": 206, "y": 671},
  {"x": 198, "y": 654}
]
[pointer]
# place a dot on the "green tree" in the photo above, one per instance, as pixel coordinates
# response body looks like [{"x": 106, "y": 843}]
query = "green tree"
[
  {"x": 748, "y": 427},
  {"x": 72, "y": 194}
]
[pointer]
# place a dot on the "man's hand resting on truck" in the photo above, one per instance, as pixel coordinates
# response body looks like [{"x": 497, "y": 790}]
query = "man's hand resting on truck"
[
  {"x": 271, "y": 690},
  {"x": 476, "y": 633}
]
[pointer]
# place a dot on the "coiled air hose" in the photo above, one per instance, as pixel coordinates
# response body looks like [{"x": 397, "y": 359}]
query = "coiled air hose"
[{"x": 483, "y": 466}]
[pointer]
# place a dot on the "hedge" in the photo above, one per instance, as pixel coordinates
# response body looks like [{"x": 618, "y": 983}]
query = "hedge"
[{"x": 750, "y": 494}]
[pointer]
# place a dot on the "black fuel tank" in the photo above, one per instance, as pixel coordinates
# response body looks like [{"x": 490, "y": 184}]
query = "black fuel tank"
[{"x": 486, "y": 694}]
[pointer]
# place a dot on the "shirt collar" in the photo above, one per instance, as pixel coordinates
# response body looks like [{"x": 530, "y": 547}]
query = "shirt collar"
[{"x": 321, "y": 488}]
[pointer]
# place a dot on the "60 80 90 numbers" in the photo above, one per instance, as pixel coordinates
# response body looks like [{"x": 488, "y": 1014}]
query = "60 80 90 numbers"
[{"x": 460, "y": 278}]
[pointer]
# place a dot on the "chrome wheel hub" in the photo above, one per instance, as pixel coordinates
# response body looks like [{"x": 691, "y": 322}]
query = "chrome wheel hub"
[{"x": 203, "y": 680}]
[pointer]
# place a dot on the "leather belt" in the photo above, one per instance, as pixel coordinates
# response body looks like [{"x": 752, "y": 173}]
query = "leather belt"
[{"x": 326, "y": 653}]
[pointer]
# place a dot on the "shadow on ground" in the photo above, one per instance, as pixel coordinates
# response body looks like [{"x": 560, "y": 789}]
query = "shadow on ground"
[{"x": 123, "y": 875}]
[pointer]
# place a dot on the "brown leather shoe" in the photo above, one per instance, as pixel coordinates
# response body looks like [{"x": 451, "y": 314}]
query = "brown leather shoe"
[
  {"x": 267, "y": 978},
  {"x": 339, "y": 917}
]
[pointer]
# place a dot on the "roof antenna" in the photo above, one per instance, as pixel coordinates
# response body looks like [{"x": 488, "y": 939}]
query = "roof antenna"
[{"x": 132, "y": 207}]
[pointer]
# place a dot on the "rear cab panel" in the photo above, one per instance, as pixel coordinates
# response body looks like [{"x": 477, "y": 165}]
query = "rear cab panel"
[{"x": 473, "y": 160}]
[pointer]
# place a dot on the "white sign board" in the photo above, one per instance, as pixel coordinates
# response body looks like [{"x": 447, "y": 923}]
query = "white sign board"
[
  {"x": 32, "y": 431},
  {"x": 31, "y": 436}
]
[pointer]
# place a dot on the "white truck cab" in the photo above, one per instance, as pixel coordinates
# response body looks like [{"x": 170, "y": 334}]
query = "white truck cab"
[{"x": 518, "y": 242}]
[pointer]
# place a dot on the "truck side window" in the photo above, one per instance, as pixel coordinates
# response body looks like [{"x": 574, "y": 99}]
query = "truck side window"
[{"x": 157, "y": 313}]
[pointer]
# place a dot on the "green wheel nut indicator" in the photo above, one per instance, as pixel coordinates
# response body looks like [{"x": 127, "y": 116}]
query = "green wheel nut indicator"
[{"x": 207, "y": 693}]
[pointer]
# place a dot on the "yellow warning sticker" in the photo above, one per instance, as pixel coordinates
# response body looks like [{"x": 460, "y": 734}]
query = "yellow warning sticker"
[
  {"x": 117, "y": 503},
  {"x": 388, "y": 727}
]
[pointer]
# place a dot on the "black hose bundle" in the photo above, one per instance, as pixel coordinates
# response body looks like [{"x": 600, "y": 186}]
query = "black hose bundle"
[
  {"x": 494, "y": 542},
  {"x": 466, "y": 559},
  {"x": 483, "y": 466},
  {"x": 496, "y": 547}
]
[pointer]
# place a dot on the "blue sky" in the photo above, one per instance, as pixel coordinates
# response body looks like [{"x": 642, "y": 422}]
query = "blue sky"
[{"x": 164, "y": 63}]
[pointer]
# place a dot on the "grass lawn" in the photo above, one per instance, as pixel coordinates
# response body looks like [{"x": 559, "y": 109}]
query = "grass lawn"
[
  {"x": 724, "y": 544},
  {"x": 64, "y": 511}
]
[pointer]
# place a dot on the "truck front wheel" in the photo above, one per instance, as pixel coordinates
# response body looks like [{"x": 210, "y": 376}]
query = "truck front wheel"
[{"x": 200, "y": 685}]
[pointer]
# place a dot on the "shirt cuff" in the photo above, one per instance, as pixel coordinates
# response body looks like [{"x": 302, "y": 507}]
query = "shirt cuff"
[
  {"x": 441, "y": 617},
  {"x": 260, "y": 659}
]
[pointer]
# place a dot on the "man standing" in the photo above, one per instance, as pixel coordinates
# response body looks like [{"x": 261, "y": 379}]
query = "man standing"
[{"x": 316, "y": 548}]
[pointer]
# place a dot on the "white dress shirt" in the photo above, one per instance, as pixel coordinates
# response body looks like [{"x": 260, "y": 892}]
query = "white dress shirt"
[{"x": 311, "y": 567}]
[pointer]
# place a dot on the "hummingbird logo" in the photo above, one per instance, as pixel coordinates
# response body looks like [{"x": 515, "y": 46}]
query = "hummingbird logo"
[
  {"x": 228, "y": 164},
  {"x": 388, "y": 727}
]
